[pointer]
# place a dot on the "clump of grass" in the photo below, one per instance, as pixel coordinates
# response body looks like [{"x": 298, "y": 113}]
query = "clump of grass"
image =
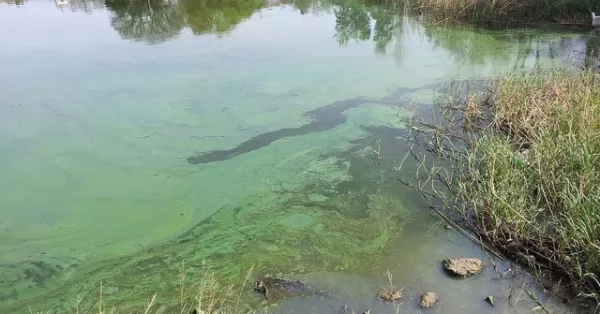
[
  {"x": 202, "y": 294},
  {"x": 501, "y": 12},
  {"x": 531, "y": 180}
]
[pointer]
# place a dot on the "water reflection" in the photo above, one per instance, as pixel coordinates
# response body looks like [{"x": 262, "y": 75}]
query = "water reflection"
[
  {"x": 515, "y": 48},
  {"x": 591, "y": 54},
  {"x": 87, "y": 6},
  {"x": 151, "y": 21},
  {"x": 363, "y": 22},
  {"x": 156, "y": 21},
  {"x": 13, "y": 2},
  {"x": 217, "y": 16}
]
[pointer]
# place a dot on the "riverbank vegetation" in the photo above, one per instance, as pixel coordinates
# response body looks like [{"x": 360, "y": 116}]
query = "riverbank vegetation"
[
  {"x": 503, "y": 12},
  {"x": 528, "y": 177}
]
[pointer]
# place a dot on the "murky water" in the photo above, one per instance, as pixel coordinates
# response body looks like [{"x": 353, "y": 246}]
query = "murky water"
[{"x": 136, "y": 135}]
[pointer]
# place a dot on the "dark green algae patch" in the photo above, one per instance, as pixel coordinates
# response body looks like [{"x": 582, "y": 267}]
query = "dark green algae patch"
[
  {"x": 324, "y": 225},
  {"x": 323, "y": 119}
]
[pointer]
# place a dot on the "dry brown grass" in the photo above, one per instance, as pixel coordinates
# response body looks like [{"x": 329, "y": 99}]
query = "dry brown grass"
[
  {"x": 204, "y": 296},
  {"x": 502, "y": 12},
  {"x": 518, "y": 162},
  {"x": 530, "y": 178}
]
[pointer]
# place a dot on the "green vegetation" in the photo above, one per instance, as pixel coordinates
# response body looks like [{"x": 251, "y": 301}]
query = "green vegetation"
[
  {"x": 201, "y": 294},
  {"x": 531, "y": 180},
  {"x": 530, "y": 177},
  {"x": 344, "y": 209},
  {"x": 503, "y": 12}
]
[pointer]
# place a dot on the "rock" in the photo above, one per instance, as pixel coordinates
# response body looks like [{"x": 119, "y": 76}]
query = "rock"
[
  {"x": 274, "y": 288},
  {"x": 346, "y": 310},
  {"x": 463, "y": 267},
  {"x": 490, "y": 299},
  {"x": 428, "y": 299},
  {"x": 390, "y": 294}
]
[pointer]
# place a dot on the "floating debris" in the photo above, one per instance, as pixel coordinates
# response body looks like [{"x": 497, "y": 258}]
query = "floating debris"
[
  {"x": 390, "y": 294},
  {"x": 345, "y": 310},
  {"x": 428, "y": 299}
]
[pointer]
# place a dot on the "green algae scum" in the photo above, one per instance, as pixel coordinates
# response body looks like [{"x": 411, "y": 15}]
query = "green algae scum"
[{"x": 143, "y": 140}]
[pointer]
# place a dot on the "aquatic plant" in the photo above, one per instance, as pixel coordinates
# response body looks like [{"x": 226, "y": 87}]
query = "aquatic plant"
[
  {"x": 340, "y": 214},
  {"x": 201, "y": 294},
  {"x": 529, "y": 177}
]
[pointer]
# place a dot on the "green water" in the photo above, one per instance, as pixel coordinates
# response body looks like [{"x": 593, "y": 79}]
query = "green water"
[{"x": 107, "y": 110}]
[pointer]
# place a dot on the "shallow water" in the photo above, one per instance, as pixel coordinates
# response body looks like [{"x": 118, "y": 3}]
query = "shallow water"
[{"x": 136, "y": 135}]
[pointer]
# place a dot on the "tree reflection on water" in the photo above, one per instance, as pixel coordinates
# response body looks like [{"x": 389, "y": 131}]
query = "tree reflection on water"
[
  {"x": 151, "y": 21},
  {"x": 156, "y": 21}
]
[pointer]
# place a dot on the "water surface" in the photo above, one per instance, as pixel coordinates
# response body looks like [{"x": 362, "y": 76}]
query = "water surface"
[{"x": 135, "y": 135}]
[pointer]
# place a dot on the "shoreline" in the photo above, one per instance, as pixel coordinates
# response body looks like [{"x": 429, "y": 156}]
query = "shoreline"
[{"x": 512, "y": 170}]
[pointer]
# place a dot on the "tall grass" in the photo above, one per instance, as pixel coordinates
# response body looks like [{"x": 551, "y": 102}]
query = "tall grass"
[
  {"x": 501, "y": 12},
  {"x": 203, "y": 294},
  {"x": 531, "y": 179}
]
